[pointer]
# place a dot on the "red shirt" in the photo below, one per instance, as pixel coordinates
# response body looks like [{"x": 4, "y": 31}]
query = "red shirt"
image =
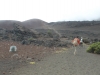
[{"x": 77, "y": 39}]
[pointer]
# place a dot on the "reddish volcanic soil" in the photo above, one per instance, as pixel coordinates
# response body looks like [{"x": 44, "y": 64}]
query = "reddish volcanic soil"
[{"x": 10, "y": 61}]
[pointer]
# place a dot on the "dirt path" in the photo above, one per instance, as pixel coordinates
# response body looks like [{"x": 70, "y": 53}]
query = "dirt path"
[{"x": 64, "y": 63}]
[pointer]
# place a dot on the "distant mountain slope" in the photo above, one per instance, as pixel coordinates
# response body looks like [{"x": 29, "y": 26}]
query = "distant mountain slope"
[
  {"x": 35, "y": 24},
  {"x": 9, "y": 24},
  {"x": 30, "y": 24},
  {"x": 76, "y": 25},
  {"x": 65, "y": 28},
  {"x": 64, "y": 25},
  {"x": 89, "y": 29}
]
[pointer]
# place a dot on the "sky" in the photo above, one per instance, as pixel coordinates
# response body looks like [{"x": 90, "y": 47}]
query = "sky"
[{"x": 50, "y": 10}]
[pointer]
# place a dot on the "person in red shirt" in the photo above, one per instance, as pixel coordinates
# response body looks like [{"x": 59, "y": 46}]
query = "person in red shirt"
[{"x": 76, "y": 42}]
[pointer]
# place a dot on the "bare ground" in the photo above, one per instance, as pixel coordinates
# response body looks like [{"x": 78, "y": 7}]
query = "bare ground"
[
  {"x": 64, "y": 63},
  {"x": 60, "y": 62},
  {"x": 9, "y": 61}
]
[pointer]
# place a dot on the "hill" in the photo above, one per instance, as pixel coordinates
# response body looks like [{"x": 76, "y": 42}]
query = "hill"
[
  {"x": 35, "y": 24},
  {"x": 8, "y": 24},
  {"x": 67, "y": 29},
  {"x": 89, "y": 29}
]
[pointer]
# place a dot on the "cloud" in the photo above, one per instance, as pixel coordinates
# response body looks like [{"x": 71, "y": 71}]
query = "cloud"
[{"x": 49, "y": 10}]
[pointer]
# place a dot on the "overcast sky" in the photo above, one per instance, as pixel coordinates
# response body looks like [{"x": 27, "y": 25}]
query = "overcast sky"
[{"x": 50, "y": 10}]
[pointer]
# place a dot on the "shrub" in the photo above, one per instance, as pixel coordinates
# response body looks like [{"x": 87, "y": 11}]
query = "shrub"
[
  {"x": 96, "y": 40},
  {"x": 86, "y": 40},
  {"x": 50, "y": 34},
  {"x": 30, "y": 39},
  {"x": 94, "y": 48},
  {"x": 13, "y": 49}
]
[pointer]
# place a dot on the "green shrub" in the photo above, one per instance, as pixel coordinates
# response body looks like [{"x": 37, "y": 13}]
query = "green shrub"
[
  {"x": 13, "y": 49},
  {"x": 30, "y": 39},
  {"x": 94, "y": 48}
]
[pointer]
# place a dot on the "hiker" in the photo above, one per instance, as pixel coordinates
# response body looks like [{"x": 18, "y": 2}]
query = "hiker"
[{"x": 76, "y": 42}]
